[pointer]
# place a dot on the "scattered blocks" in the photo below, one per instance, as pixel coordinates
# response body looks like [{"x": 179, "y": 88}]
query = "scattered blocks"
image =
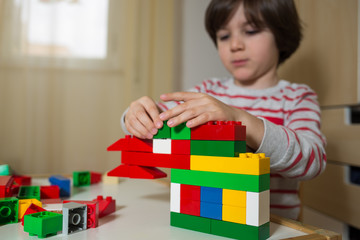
[
  {"x": 29, "y": 192},
  {"x": 9, "y": 210},
  {"x": 81, "y": 179},
  {"x": 74, "y": 217},
  {"x": 24, "y": 205},
  {"x": 43, "y": 224},
  {"x": 33, "y": 208},
  {"x": 106, "y": 206},
  {"x": 92, "y": 212},
  {"x": 95, "y": 177},
  {"x": 52, "y": 192},
  {"x": 63, "y": 183},
  {"x": 22, "y": 180}
]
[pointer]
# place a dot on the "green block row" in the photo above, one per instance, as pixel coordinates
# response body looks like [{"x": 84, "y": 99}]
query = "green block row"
[
  {"x": 29, "y": 192},
  {"x": 43, "y": 224},
  {"x": 251, "y": 183},
  {"x": 217, "y": 148},
  {"x": 163, "y": 132},
  {"x": 9, "y": 208},
  {"x": 81, "y": 179},
  {"x": 220, "y": 228},
  {"x": 179, "y": 132}
]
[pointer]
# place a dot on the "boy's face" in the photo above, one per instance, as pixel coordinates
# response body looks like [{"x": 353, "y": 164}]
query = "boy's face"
[{"x": 249, "y": 54}]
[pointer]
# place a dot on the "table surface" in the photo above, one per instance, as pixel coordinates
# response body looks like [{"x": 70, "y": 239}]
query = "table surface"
[{"x": 142, "y": 212}]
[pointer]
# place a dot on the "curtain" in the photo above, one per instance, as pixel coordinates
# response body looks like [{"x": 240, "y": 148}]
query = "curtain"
[{"x": 60, "y": 108}]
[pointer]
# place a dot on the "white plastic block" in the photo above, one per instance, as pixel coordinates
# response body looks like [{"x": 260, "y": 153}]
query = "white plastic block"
[
  {"x": 74, "y": 217},
  {"x": 162, "y": 146},
  {"x": 257, "y": 208},
  {"x": 175, "y": 197}
]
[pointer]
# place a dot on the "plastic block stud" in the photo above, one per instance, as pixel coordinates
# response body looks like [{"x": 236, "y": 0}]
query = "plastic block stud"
[
  {"x": 9, "y": 210},
  {"x": 43, "y": 224},
  {"x": 75, "y": 217},
  {"x": 81, "y": 179}
]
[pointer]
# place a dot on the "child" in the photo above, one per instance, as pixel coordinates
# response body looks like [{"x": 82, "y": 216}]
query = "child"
[{"x": 253, "y": 37}]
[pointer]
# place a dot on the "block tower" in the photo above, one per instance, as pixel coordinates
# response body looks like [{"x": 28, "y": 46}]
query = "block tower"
[{"x": 216, "y": 187}]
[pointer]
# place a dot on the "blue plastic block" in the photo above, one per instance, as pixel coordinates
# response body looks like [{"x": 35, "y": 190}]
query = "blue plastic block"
[
  {"x": 211, "y": 210},
  {"x": 211, "y": 195},
  {"x": 63, "y": 183}
]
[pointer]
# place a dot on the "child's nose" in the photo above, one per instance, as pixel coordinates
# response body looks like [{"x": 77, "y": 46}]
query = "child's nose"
[{"x": 236, "y": 44}]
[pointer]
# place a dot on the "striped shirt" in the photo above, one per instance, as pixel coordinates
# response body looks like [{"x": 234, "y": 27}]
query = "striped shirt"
[{"x": 292, "y": 137}]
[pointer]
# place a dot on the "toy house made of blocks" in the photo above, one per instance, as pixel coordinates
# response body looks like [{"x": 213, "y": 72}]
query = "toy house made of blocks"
[{"x": 216, "y": 187}]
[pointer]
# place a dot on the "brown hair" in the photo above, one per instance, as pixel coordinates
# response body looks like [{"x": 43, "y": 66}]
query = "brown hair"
[{"x": 280, "y": 16}]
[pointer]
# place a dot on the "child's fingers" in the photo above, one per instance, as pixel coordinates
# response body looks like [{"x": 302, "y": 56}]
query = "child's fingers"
[
  {"x": 140, "y": 129},
  {"x": 153, "y": 112},
  {"x": 180, "y": 96}
]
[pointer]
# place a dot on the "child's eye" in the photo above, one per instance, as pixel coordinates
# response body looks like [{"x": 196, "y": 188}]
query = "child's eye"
[
  {"x": 252, "y": 32},
  {"x": 223, "y": 37}
]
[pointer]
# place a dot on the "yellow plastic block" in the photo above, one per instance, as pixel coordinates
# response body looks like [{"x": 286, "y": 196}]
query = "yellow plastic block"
[
  {"x": 246, "y": 163},
  {"x": 234, "y": 198},
  {"x": 234, "y": 214},
  {"x": 25, "y": 203}
]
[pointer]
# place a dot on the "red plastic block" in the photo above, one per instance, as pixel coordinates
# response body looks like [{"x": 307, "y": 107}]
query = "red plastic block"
[
  {"x": 156, "y": 160},
  {"x": 190, "y": 192},
  {"x": 15, "y": 190},
  {"x": 180, "y": 147},
  {"x": 95, "y": 177},
  {"x": 6, "y": 183},
  {"x": 22, "y": 180},
  {"x": 106, "y": 206},
  {"x": 133, "y": 171},
  {"x": 33, "y": 208},
  {"x": 190, "y": 207},
  {"x": 52, "y": 191},
  {"x": 92, "y": 212},
  {"x": 132, "y": 144},
  {"x": 220, "y": 130}
]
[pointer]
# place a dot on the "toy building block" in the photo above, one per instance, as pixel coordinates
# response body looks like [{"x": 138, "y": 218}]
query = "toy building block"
[
  {"x": 163, "y": 132},
  {"x": 211, "y": 210},
  {"x": 162, "y": 146},
  {"x": 156, "y": 160},
  {"x": 106, "y": 206},
  {"x": 74, "y": 217},
  {"x": 190, "y": 197},
  {"x": 92, "y": 212},
  {"x": 240, "y": 231},
  {"x": 234, "y": 214},
  {"x": 175, "y": 197},
  {"x": 33, "y": 208},
  {"x": 47, "y": 192},
  {"x": 190, "y": 222},
  {"x": 109, "y": 180},
  {"x": 29, "y": 192},
  {"x": 190, "y": 207},
  {"x": 133, "y": 171},
  {"x": 81, "y": 179},
  {"x": 252, "y": 183},
  {"x": 211, "y": 195},
  {"x": 24, "y": 205},
  {"x": 181, "y": 131},
  {"x": 5, "y": 170},
  {"x": 217, "y": 148},
  {"x": 257, "y": 208},
  {"x": 95, "y": 177},
  {"x": 180, "y": 147},
  {"x": 6, "y": 183},
  {"x": 249, "y": 164},
  {"x": 132, "y": 144},
  {"x": 22, "y": 180},
  {"x": 63, "y": 183},
  {"x": 43, "y": 224},
  {"x": 220, "y": 131},
  {"x": 9, "y": 210},
  {"x": 234, "y": 198}
]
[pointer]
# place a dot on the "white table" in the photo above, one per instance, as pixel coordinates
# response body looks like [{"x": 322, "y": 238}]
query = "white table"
[{"x": 142, "y": 212}]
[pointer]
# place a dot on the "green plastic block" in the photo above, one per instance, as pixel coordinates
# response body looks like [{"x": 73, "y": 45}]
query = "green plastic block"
[
  {"x": 5, "y": 170},
  {"x": 240, "y": 231},
  {"x": 9, "y": 208},
  {"x": 29, "y": 192},
  {"x": 81, "y": 179},
  {"x": 190, "y": 222},
  {"x": 43, "y": 224},
  {"x": 251, "y": 183},
  {"x": 163, "y": 132},
  {"x": 180, "y": 132},
  {"x": 217, "y": 148}
]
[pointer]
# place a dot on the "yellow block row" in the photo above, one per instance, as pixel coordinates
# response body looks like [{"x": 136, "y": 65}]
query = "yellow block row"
[{"x": 246, "y": 163}]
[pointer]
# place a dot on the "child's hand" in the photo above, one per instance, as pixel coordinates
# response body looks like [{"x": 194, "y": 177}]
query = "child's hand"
[
  {"x": 197, "y": 109},
  {"x": 142, "y": 119}
]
